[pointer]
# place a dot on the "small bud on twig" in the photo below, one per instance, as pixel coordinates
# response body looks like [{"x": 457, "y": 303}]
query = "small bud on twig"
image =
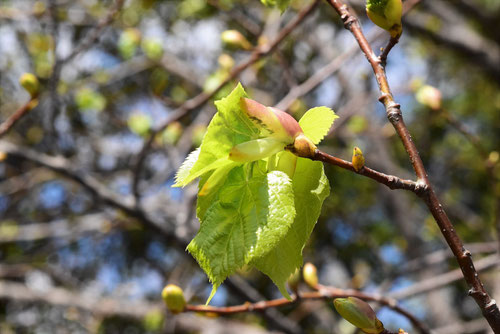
[
  {"x": 310, "y": 274},
  {"x": 174, "y": 298},
  {"x": 359, "y": 313},
  {"x": 358, "y": 160},
  {"x": 386, "y": 14},
  {"x": 30, "y": 83},
  {"x": 235, "y": 39},
  {"x": 429, "y": 96}
]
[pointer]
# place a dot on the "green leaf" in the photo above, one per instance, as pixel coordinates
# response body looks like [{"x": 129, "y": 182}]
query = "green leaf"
[
  {"x": 185, "y": 169},
  {"x": 249, "y": 216},
  {"x": 316, "y": 123},
  {"x": 229, "y": 127},
  {"x": 310, "y": 186}
]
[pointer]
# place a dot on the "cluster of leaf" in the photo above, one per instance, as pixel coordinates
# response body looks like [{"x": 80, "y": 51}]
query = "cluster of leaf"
[{"x": 259, "y": 212}]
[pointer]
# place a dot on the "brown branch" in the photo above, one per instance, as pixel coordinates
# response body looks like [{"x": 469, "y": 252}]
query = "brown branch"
[
  {"x": 385, "y": 52},
  {"x": 487, "y": 305},
  {"x": 17, "y": 115},
  {"x": 111, "y": 306},
  {"x": 391, "y": 181},
  {"x": 323, "y": 292},
  {"x": 202, "y": 98},
  {"x": 442, "y": 280}
]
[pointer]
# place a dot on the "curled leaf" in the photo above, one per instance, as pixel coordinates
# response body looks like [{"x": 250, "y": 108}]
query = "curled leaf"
[{"x": 273, "y": 122}]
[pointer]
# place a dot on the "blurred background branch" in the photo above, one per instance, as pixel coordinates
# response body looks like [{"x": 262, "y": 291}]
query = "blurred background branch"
[{"x": 78, "y": 254}]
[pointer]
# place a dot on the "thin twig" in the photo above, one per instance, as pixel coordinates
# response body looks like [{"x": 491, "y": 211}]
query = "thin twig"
[
  {"x": 202, "y": 98},
  {"x": 17, "y": 115},
  {"x": 323, "y": 292},
  {"x": 487, "y": 305},
  {"x": 391, "y": 181},
  {"x": 392, "y": 42}
]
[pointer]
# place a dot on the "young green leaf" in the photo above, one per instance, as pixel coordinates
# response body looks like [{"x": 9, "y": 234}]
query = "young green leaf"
[
  {"x": 229, "y": 127},
  {"x": 316, "y": 123},
  {"x": 257, "y": 202},
  {"x": 255, "y": 149},
  {"x": 310, "y": 188},
  {"x": 249, "y": 216},
  {"x": 185, "y": 169}
]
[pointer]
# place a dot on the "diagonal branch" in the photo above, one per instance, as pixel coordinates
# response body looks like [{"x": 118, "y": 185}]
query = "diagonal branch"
[
  {"x": 487, "y": 305},
  {"x": 17, "y": 115}
]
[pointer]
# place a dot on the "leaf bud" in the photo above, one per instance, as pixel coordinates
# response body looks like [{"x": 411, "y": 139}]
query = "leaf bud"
[
  {"x": 235, "y": 39},
  {"x": 359, "y": 313},
  {"x": 429, "y": 96},
  {"x": 358, "y": 160},
  {"x": 173, "y": 297},
  {"x": 303, "y": 147},
  {"x": 225, "y": 61},
  {"x": 279, "y": 124},
  {"x": 386, "y": 14},
  {"x": 30, "y": 83},
  {"x": 310, "y": 275}
]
